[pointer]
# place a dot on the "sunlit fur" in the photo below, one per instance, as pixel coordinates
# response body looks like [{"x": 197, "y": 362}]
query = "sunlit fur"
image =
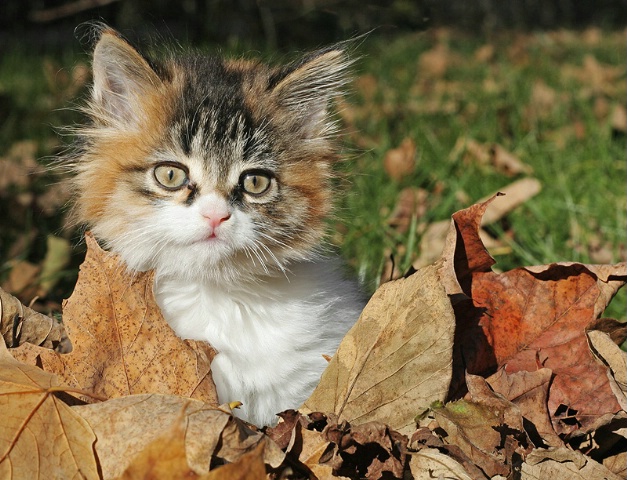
[{"x": 256, "y": 286}]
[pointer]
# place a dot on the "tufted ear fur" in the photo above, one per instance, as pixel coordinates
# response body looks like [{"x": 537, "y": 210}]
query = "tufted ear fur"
[
  {"x": 121, "y": 77},
  {"x": 306, "y": 88}
]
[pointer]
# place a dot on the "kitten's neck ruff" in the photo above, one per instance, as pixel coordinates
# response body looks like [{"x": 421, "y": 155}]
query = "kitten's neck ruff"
[{"x": 270, "y": 335}]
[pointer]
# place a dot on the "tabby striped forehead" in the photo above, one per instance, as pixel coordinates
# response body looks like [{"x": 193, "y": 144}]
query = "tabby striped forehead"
[{"x": 211, "y": 120}]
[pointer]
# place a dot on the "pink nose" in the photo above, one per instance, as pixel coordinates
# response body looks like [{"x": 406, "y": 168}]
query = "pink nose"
[{"x": 216, "y": 219}]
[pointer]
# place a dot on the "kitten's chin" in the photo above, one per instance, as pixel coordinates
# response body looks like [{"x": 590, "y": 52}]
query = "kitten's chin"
[{"x": 206, "y": 261}]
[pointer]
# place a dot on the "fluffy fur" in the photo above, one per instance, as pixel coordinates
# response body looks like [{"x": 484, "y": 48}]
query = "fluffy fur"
[{"x": 216, "y": 174}]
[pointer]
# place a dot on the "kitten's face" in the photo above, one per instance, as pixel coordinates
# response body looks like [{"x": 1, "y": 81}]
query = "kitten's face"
[{"x": 198, "y": 167}]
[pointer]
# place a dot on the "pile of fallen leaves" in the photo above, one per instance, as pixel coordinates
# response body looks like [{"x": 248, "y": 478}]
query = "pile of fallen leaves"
[{"x": 453, "y": 371}]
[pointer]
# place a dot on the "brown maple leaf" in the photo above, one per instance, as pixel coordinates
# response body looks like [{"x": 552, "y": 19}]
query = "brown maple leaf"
[
  {"x": 122, "y": 344},
  {"x": 169, "y": 435},
  {"x": 40, "y": 435},
  {"x": 531, "y": 318},
  {"x": 396, "y": 360}
]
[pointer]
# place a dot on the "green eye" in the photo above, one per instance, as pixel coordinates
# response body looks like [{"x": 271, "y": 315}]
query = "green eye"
[
  {"x": 255, "y": 182},
  {"x": 170, "y": 176}
]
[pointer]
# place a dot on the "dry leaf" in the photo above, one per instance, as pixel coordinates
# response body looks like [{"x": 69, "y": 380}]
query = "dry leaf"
[
  {"x": 487, "y": 427},
  {"x": 163, "y": 458},
  {"x": 514, "y": 195},
  {"x": 529, "y": 391},
  {"x": 250, "y": 466},
  {"x": 283, "y": 432},
  {"x": 367, "y": 85},
  {"x": 40, "y": 436},
  {"x": 611, "y": 355},
  {"x": 411, "y": 204},
  {"x": 20, "y": 324},
  {"x": 494, "y": 155},
  {"x": 314, "y": 445},
  {"x": 617, "y": 464},
  {"x": 401, "y": 161},
  {"x": 433, "y": 239},
  {"x": 370, "y": 450},
  {"x": 506, "y": 162},
  {"x": 430, "y": 463},
  {"x": 615, "y": 329},
  {"x": 543, "y": 99},
  {"x": 396, "y": 360},
  {"x": 434, "y": 62},
  {"x": 22, "y": 280},
  {"x": 563, "y": 464},
  {"x": 18, "y": 167},
  {"x": 532, "y": 317},
  {"x": 619, "y": 119},
  {"x": 122, "y": 343},
  {"x": 432, "y": 243},
  {"x": 485, "y": 53},
  {"x": 128, "y": 425}
]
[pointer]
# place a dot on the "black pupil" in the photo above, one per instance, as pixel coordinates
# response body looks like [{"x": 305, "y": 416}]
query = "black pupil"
[
  {"x": 254, "y": 180},
  {"x": 170, "y": 174}
]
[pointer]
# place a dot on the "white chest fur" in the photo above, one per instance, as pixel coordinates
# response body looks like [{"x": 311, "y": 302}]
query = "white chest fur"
[{"x": 270, "y": 336}]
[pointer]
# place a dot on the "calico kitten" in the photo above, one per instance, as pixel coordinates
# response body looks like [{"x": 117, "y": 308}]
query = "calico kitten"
[{"x": 216, "y": 174}]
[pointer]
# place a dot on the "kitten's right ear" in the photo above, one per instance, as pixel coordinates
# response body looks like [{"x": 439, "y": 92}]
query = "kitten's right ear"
[{"x": 121, "y": 77}]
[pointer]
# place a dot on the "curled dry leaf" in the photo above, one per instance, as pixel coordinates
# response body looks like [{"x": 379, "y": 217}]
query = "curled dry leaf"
[
  {"x": 40, "y": 436},
  {"x": 619, "y": 119},
  {"x": 487, "y": 427},
  {"x": 401, "y": 161},
  {"x": 543, "y": 100},
  {"x": 563, "y": 464},
  {"x": 494, "y": 155},
  {"x": 411, "y": 204},
  {"x": 369, "y": 450},
  {"x": 20, "y": 324},
  {"x": 611, "y": 355},
  {"x": 616, "y": 330},
  {"x": 514, "y": 194},
  {"x": 122, "y": 343},
  {"x": 396, "y": 359},
  {"x": 431, "y": 463},
  {"x": 22, "y": 279},
  {"x": 434, "y": 62},
  {"x": 250, "y": 466},
  {"x": 529, "y": 391},
  {"x": 506, "y": 162},
  {"x": 530, "y": 318},
  {"x": 163, "y": 458},
  {"x": 128, "y": 426},
  {"x": 18, "y": 167}
]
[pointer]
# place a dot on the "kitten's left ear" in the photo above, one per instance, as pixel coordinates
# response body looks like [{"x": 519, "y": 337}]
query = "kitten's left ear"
[{"x": 307, "y": 86}]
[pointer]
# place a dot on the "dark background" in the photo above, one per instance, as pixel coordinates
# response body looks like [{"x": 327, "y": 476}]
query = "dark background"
[{"x": 43, "y": 25}]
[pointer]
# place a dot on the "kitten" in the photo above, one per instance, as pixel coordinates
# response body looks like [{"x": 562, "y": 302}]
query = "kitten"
[{"x": 216, "y": 174}]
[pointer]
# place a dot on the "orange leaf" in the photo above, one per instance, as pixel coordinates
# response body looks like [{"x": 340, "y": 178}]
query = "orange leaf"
[
  {"x": 40, "y": 436},
  {"x": 534, "y": 317},
  {"x": 122, "y": 344}
]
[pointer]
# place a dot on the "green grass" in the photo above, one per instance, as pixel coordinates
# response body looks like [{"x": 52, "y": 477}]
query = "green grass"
[
  {"x": 583, "y": 200},
  {"x": 583, "y": 197}
]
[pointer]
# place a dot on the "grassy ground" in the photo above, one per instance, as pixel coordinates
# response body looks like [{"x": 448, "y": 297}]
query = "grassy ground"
[{"x": 547, "y": 98}]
